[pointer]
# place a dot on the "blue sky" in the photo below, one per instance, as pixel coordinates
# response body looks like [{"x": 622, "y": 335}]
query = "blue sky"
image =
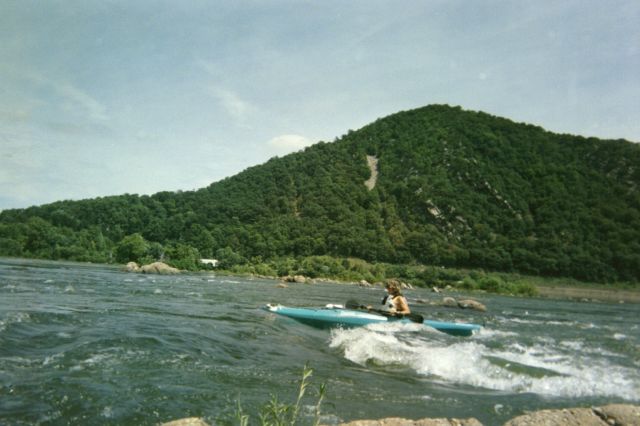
[{"x": 109, "y": 97}]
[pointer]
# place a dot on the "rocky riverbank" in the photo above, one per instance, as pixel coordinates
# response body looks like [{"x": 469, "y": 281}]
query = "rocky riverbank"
[
  {"x": 608, "y": 415},
  {"x": 589, "y": 294}
]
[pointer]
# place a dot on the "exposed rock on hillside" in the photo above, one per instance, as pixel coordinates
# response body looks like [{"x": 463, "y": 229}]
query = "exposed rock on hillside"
[{"x": 372, "y": 162}]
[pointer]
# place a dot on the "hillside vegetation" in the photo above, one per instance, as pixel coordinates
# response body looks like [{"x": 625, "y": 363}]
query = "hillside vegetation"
[{"x": 454, "y": 188}]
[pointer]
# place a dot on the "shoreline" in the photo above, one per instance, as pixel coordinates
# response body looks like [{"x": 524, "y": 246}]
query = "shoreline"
[
  {"x": 549, "y": 291},
  {"x": 612, "y": 295},
  {"x": 586, "y": 293}
]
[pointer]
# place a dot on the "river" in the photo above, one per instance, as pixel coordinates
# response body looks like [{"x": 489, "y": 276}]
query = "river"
[{"x": 91, "y": 344}]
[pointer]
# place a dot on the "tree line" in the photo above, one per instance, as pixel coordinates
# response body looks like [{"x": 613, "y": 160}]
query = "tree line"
[{"x": 455, "y": 188}]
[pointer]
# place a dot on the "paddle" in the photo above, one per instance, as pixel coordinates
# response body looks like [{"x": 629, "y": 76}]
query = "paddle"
[{"x": 352, "y": 304}]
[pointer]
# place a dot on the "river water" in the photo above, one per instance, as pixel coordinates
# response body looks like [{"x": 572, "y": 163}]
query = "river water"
[{"x": 90, "y": 344}]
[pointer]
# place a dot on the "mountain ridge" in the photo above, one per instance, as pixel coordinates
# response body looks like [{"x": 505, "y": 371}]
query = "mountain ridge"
[{"x": 453, "y": 188}]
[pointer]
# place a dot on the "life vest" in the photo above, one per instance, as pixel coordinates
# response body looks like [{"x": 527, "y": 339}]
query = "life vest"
[{"x": 387, "y": 301}]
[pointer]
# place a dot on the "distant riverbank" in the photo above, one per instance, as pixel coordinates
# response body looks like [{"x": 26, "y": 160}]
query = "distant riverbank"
[{"x": 589, "y": 294}]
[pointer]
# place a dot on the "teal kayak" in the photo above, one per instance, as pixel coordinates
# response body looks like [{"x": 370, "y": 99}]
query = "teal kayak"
[{"x": 339, "y": 317}]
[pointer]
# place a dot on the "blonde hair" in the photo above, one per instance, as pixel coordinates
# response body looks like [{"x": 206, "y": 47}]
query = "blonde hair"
[{"x": 393, "y": 286}]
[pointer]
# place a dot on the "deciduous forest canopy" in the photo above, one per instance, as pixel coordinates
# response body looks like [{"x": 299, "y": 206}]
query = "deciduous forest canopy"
[{"x": 454, "y": 188}]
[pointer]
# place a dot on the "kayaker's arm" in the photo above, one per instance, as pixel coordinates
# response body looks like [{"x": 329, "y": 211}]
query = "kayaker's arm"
[{"x": 400, "y": 306}]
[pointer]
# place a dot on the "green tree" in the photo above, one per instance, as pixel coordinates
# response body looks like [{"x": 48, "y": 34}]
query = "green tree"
[
  {"x": 228, "y": 258},
  {"x": 132, "y": 248},
  {"x": 183, "y": 256}
]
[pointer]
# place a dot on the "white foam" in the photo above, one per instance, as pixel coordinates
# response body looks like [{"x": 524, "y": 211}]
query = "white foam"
[
  {"x": 492, "y": 333},
  {"x": 13, "y": 318},
  {"x": 107, "y": 412},
  {"x": 570, "y": 369}
]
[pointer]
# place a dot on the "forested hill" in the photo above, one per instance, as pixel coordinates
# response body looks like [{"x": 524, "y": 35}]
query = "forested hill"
[{"x": 453, "y": 187}]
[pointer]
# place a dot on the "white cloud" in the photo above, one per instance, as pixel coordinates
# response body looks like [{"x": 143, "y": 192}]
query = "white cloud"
[
  {"x": 81, "y": 101},
  {"x": 235, "y": 106},
  {"x": 285, "y": 144}
]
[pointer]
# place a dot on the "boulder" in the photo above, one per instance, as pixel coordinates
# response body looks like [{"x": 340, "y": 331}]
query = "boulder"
[
  {"x": 282, "y": 285},
  {"x": 364, "y": 283},
  {"x": 566, "y": 417},
  {"x": 189, "y": 421},
  {"x": 471, "y": 304},
  {"x": 449, "y": 302},
  {"x": 619, "y": 414},
  {"x": 301, "y": 279},
  {"x": 158, "y": 268},
  {"x": 397, "y": 421},
  {"x": 132, "y": 267}
]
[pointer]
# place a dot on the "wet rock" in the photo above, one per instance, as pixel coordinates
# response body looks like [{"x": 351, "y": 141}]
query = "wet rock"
[
  {"x": 282, "y": 285},
  {"x": 159, "y": 268},
  {"x": 449, "y": 302},
  {"x": 471, "y": 304},
  {"x": 189, "y": 421},
  {"x": 301, "y": 279},
  {"x": 132, "y": 267},
  {"x": 364, "y": 283},
  {"x": 397, "y": 421}
]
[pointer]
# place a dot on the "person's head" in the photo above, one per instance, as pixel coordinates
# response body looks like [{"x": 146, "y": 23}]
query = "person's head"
[{"x": 393, "y": 287}]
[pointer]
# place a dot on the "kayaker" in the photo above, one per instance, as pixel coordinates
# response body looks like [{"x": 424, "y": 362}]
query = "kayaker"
[{"x": 395, "y": 302}]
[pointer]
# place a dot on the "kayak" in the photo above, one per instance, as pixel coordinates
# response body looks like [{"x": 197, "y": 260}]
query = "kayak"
[{"x": 337, "y": 316}]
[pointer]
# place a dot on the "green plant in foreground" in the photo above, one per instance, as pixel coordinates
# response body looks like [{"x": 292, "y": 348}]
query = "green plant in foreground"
[{"x": 276, "y": 413}]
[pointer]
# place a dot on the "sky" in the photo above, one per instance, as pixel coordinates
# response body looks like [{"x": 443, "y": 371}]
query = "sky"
[{"x": 106, "y": 97}]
